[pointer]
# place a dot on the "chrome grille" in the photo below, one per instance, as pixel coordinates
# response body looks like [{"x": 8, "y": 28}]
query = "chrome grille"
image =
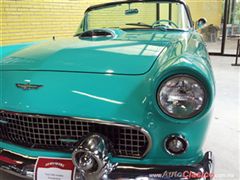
[{"x": 62, "y": 133}]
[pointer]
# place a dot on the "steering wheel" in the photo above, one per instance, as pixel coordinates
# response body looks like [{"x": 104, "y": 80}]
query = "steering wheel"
[{"x": 159, "y": 23}]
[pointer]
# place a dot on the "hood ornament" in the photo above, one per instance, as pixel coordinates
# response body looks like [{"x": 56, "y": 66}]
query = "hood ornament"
[{"x": 28, "y": 86}]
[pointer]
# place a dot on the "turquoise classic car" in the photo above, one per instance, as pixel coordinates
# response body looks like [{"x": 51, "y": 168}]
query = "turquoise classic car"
[{"x": 128, "y": 97}]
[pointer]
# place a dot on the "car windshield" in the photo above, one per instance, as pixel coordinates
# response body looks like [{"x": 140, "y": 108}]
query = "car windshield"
[{"x": 138, "y": 15}]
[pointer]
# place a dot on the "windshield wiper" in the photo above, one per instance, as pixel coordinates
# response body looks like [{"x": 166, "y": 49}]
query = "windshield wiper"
[
  {"x": 171, "y": 29},
  {"x": 167, "y": 28},
  {"x": 139, "y": 24}
]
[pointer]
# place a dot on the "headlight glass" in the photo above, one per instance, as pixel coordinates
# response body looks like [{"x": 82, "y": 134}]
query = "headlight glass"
[{"x": 181, "y": 96}]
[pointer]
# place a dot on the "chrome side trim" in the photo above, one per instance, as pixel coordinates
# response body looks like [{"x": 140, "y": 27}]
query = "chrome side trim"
[{"x": 93, "y": 120}]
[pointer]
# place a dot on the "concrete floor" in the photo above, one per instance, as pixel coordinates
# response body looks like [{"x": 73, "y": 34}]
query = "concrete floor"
[{"x": 224, "y": 133}]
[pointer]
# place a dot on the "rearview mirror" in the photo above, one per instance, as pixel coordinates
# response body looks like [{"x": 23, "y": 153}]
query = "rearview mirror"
[
  {"x": 201, "y": 23},
  {"x": 131, "y": 11}
]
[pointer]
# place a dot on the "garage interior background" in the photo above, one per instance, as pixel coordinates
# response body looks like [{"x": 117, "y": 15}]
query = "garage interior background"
[{"x": 34, "y": 20}]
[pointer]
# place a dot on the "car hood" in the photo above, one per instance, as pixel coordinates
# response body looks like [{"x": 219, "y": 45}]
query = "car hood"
[{"x": 128, "y": 53}]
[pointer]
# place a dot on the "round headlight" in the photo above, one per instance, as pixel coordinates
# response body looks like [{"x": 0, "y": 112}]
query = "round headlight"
[{"x": 181, "y": 96}]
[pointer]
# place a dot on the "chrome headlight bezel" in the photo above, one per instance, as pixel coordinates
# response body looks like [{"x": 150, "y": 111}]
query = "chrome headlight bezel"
[{"x": 193, "y": 114}]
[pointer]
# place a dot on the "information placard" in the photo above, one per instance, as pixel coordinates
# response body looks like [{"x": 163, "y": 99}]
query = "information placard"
[{"x": 53, "y": 169}]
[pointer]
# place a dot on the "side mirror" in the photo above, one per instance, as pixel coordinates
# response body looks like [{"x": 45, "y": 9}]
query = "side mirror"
[{"x": 201, "y": 23}]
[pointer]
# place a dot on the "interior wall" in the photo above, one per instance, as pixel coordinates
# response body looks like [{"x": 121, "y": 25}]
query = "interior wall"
[
  {"x": 33, "y": 20},
  {"x": 212, "y": 10}
]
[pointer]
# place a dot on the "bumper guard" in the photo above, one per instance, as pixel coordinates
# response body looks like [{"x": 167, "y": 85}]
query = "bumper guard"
[{"x": 24, "y": 167}]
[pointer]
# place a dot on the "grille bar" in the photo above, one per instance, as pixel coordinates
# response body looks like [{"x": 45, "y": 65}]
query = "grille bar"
[{"x": 62, "y": 133}]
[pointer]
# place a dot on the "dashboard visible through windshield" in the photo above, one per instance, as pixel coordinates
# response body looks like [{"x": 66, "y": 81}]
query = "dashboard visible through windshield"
[{"x": 138, "y": 15}]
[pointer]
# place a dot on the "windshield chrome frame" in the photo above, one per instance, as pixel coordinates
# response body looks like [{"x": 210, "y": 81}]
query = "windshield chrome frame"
[{"x": 104, "y": 5}]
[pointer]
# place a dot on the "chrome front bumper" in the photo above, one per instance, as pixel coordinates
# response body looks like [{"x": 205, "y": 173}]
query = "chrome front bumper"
[{"x": 24, "y": 167}]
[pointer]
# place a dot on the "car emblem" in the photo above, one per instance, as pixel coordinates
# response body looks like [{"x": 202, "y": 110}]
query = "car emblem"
[{"x": 29, "y": 86}]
